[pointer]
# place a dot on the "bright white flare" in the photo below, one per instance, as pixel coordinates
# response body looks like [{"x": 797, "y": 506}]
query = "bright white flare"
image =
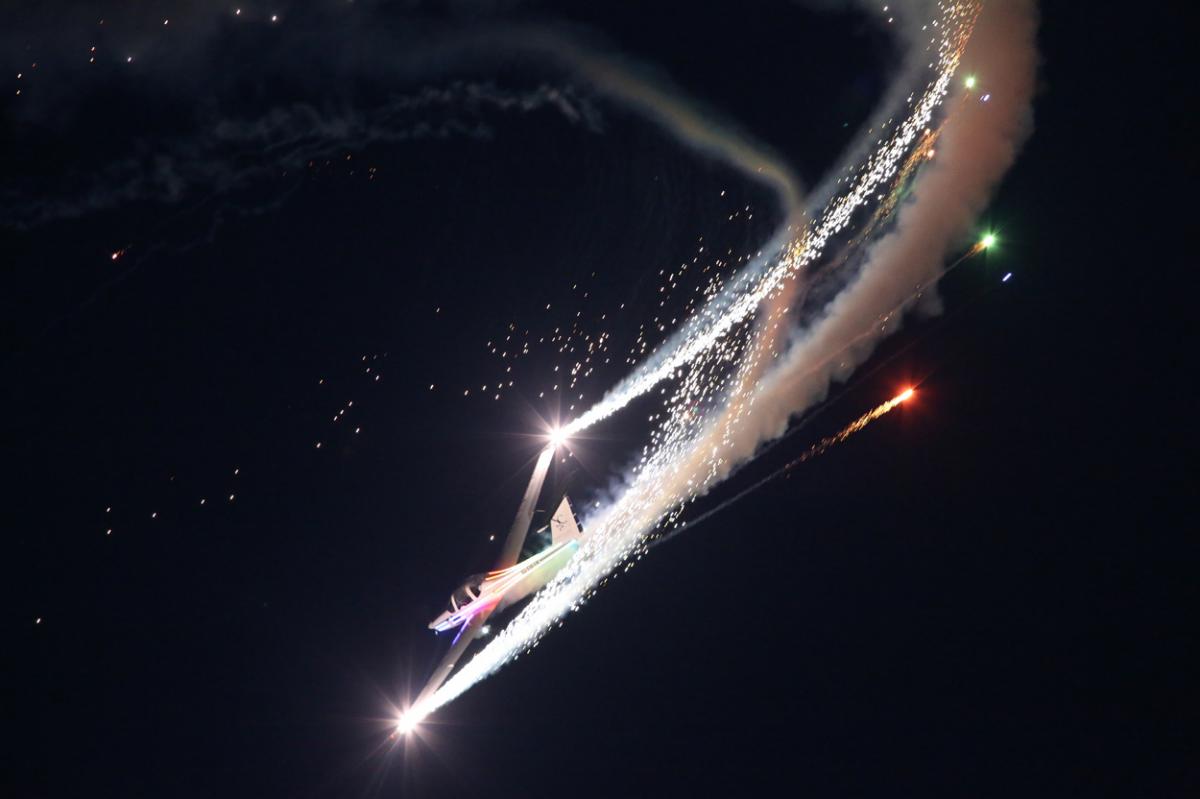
[
  {"x": 558, "y": 437},
  {"x": 408, "y": 721}
]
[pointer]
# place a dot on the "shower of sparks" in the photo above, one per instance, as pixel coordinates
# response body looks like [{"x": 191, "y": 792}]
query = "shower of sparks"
[
  {"x": 716, "y": 364},
  {"x": 857, "y": 425},
  {"x": 582, "y": 337}
]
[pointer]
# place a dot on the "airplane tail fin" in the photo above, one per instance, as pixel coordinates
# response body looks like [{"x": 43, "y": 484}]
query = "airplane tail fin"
[{"x": 563, "y": 526}]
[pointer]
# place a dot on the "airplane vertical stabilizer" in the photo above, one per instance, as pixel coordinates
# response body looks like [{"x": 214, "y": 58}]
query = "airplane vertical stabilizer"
[{"x": 563, "y": 526}]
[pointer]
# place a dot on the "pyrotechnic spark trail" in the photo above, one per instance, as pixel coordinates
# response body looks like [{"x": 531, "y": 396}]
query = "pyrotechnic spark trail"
[
  {"x": 819, "y": 448},
  {"x": 730, "y": 390}
]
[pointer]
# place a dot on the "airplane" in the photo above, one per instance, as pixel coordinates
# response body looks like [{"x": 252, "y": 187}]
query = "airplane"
[{"x": 511, "y": 579}]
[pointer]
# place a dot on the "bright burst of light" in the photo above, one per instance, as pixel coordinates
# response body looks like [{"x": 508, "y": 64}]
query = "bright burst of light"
[
  {"x": 987, "y": 241},
  {"x": 407, "y": 723},
  {"x": 558, "y": 437},
  {"x": 970, "y": 82},
  {"x": 905, "y": 395}
]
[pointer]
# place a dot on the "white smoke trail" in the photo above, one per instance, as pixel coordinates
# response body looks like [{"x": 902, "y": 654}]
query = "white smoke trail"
[
  {"x": 684, "y": 119},
  {"x": 731, "y": 368},
  {"x": 670, "y": 109}
]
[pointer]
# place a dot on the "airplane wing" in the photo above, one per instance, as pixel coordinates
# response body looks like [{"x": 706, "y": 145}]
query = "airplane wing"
[
  {"x": 516, "y": 536},
  {"x": 466, "y": 634}
]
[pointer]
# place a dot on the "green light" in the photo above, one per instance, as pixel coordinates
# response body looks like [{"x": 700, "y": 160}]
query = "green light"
[
  {"x": 970, "y": 81},
  {"x": 988, "y": 240}
]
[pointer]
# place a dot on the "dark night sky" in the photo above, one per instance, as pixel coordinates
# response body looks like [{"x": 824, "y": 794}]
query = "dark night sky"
[{"x": 990, "y": 592}]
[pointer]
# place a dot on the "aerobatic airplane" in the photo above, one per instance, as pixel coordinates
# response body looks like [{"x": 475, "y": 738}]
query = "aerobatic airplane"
[{"x": 511, "y": 580}]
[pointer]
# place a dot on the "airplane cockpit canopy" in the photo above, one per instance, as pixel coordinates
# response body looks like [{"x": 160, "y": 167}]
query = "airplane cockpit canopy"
[{"x": 466, "y": 593}]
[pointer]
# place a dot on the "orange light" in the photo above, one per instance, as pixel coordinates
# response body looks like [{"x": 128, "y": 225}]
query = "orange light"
[{"x": 905, "y": 395}]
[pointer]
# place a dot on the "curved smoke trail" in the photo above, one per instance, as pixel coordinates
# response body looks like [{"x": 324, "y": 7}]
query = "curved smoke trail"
[
  {"x": 741, "y": 374},
  {"x": 669, "y": 108}
]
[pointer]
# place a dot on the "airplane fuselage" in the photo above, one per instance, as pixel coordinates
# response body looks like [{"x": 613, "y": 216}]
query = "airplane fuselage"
[{"x": 502, "y": 588}]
